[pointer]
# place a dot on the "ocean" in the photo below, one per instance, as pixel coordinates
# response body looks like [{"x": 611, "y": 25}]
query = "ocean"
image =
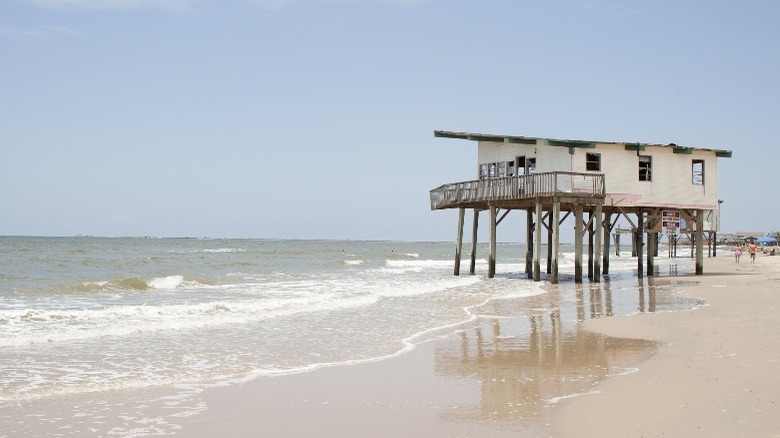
[{"x": 118, "y": 336}]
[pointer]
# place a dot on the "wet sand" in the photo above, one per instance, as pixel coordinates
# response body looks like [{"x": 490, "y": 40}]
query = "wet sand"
[
  {"x": 560, "y": 369},
  {"x": 718, "y": 373}
]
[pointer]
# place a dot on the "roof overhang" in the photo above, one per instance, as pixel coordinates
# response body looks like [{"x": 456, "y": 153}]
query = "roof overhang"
[{"x": 723, "y": 153}]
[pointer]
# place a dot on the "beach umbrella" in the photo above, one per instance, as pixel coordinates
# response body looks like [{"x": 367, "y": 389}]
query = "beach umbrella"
[{"x": 766, "y": 240}]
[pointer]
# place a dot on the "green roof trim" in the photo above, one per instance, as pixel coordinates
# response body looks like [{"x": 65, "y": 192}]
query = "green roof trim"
[
  {"x": 521, "y": 140},
  {"x": 447, "y": 134},
  {"x": 485, "y": 138},
  {"x": 571, "y": 143}
]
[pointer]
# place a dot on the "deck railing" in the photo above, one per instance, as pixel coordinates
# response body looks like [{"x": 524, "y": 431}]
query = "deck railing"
[{"x": 518, "y": 187}]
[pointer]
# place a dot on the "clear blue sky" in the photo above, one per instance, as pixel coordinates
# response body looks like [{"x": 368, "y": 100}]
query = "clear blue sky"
[{"x": 315, "y": 118}]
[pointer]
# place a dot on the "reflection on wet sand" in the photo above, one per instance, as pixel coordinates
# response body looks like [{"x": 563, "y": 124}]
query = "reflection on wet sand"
[{"x": 524, "y": 363}]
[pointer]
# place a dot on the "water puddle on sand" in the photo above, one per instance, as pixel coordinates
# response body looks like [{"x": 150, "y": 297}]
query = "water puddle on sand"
[{"x": 527, "y": 355}]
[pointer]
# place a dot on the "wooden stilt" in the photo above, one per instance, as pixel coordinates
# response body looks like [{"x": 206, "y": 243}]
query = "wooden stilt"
[
  {"x": 549, "y": 242},
  {"x": 529, "y": 243},
  {"x": 651, "y": 243},
  {"x": 617, "y": 244},
  {"x": 606, "y": 226},
  {"x": 538, "y": 242},
  {"x": 578, "y": 231},
  {"x": 459, "y": 244},
  {"x": 472, "y": 266},
  {"x": 590, "y": 245},
  {"x": 655, "y": 248},
  {"x": 640, "y": 237},
  {"x": 492, "y": 255},
  {"x": 597, "y": 231},
  {"x": 699, "y": 242},
  {"x": 714, "y": 243},
  {"x": 556, "y": 213}
]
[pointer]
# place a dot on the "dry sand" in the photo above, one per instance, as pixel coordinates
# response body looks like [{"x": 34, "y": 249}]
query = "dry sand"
[{"x": 713, "y": 372}]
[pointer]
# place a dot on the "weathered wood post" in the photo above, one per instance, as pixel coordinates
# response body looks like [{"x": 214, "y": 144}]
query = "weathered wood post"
[
  {"x": 556, "y": 213},
  {"x": 578, "y": 231},
  {"x": 640, "y": 237},
  {"x": 549, "y": 242},
  {"x": 529, "y": 245},
  {"x": 590, "y": 245},
  {"x": 538, "y": 242},
  {"x": 714, "y": 243},
  {"x": 607, "y": 223},
  {"x": 651, "y": 243},
  {"x": 459, "y": 244},
  {"x": 617, "y": 244},
  {"x": 472, "y": 266},
  {"x": 492, "y": 255},
  {"x": 699, "y": 242},
  {"x": 596, "y": 259}
]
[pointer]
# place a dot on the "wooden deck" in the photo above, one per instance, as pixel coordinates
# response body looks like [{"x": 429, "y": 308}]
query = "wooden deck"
[{"x": 517, "y": 190}]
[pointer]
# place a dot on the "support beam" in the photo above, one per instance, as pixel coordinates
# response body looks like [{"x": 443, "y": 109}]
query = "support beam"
[
  {"x": 607, "y": 230},
  {"x": 538, "y": 242},
  {"x": 639, "y": 237},
  {"x": 590, "y": 245},
  {"x": 578, "y": 231},
  {"x": 714, "y": 240},
  {"x": 556, "y": 237},
  {"x": 473, "y": 265},
  {"x": 549, "y": 242},
  {"x": 652, "y": 241},
  {"x": 459, "y": 244},
  {"x": 597, "y": 259},
  {"x": 699, "y": 242},
  {"x": 529, "y": 243},
  {"x": 492, "y": 255}
]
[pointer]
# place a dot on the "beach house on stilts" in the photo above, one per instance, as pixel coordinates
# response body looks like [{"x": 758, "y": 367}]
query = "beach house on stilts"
[{"x": 656, "y": 187}]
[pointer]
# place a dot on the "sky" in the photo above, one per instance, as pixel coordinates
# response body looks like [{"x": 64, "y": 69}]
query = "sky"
[{"x": 315, "y": 118}]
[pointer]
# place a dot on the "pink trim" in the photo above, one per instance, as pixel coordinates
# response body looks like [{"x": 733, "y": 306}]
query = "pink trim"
[{"x": 617, "y": 198}]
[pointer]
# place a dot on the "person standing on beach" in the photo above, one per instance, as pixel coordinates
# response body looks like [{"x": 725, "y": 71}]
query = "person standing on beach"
[
  {"x": 737, "y": 252},
  {"x": 752, "y": 248}
]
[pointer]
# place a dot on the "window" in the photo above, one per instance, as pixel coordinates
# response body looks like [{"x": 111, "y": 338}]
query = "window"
[
  {"x": 520, "y": 165},
  {"x": 531, "y": 161},
  {"x": 593, "y": 162},
  {"x": 510, "y": 168},
  {"x": 698, "y": 172},
  {"x": 492, "y": 170},
  {"x": 483, "y": 171},
  {"x": 645, "y": 168}
]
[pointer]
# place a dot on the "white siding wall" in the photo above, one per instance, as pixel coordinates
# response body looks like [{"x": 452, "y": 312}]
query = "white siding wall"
[
  {"x": 492, "y": 152},
  {"x": 671, "y": 183},
  {"x": 548, "y": 158}
]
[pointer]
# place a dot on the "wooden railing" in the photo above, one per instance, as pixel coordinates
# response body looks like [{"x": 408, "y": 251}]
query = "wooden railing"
[{"x": 518, "y": 187}]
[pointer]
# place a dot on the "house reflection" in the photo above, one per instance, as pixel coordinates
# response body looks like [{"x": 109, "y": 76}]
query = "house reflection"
[{"x": 524, "y": 363}]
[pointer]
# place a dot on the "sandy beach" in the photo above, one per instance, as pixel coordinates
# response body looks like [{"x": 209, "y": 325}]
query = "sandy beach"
[
  {"x": 706, "y": 372},
  {"x": 717, "y": 374}
]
